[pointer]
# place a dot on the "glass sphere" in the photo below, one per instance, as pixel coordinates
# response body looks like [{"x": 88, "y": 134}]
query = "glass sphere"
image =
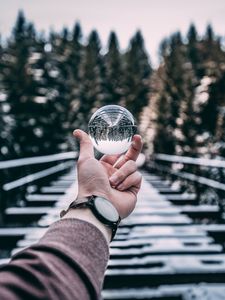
[{"x": 111, "y": 129}]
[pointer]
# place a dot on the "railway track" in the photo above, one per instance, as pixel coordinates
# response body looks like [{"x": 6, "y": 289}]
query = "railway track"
[{"x": 163, "y": 250}]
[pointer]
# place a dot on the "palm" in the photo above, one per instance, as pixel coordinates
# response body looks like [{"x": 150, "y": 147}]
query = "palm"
[{"x": 128, "y": 196}]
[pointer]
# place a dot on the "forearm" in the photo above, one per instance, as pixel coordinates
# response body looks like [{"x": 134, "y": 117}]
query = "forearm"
[
  {"x": 67, "y": 263},
  {"x": 85, "y": 214}
]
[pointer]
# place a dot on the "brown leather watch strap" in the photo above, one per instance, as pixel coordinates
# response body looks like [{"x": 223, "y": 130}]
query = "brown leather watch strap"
[
  {"x": 80, "y": 202},
  {"x": 88, "y": 203}
]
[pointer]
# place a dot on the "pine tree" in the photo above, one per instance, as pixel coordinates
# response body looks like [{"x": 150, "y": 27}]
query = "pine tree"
[
  {"x": 19, "y": 83},
  {"x": 193, "y": 50},
  {"x": 192, "y": 34},
  {"x": 59, "y": 76},
  {"x": 168, "y": 96},
  {"x": 5, "y": 119},
  {"x": 36, "y": 92},
  {"x": 50, "y": 100},
  {"x": 209, "y": 36},
  {"x": 174, "y": 105},
  {"x": 92, "y": 93},
  {"x": 188, "y": 123},
  {"x": 206, "y": 106},
  {"x": 74, "y": 62},
  {"x": 137, "y": 75},
  {"x": 164, "y": 140},
  {"x": 214, "y": 114},
  {"x": 76, "y": 52},
  {"x": 64, "y": 85},
  {"x": 114, "y": 71},
  {"x": 210, "y": 55}
]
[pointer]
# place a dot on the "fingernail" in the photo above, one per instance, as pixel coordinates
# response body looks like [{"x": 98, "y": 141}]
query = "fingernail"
[
  {"x": 134, "y": 142},
  {"x": 76, "y": 132},
  {"x": 113, "y": 179}
]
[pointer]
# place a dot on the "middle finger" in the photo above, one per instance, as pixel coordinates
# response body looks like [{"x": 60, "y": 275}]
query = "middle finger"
[{"x": 121, "y": 174}]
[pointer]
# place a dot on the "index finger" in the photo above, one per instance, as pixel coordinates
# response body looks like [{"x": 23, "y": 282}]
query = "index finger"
[
  {"x": 132, "y": 153},
  {"x": 110, "y": 159}
]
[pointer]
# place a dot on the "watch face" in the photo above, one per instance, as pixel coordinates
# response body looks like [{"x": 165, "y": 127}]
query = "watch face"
[{"x": 106, "y": 209}]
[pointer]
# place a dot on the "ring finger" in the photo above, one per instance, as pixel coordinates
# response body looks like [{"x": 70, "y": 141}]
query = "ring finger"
[
  {"x": 121, "y": 174},
  {"x": 132, "y": 180}
]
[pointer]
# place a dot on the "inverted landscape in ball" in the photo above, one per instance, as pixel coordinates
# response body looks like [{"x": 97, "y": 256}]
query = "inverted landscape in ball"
[{"x": 111, "y": 129}]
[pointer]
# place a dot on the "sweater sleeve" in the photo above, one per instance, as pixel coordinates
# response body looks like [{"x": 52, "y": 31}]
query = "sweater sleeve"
[{"x": 69, "y": 262}]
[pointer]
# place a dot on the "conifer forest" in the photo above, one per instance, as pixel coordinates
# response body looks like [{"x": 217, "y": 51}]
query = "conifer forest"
[{"x": 51, "y": 85}]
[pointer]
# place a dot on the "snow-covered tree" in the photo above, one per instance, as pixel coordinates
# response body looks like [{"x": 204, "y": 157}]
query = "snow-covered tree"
[
  {"x": 114, "y": 71},
  {"x": 137, "y": 75}
]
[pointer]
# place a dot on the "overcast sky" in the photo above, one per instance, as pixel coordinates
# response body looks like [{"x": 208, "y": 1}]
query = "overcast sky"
[{"x": 156, "y": 18}]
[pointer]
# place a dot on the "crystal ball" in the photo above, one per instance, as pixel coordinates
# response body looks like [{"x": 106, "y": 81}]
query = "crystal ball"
[{"x": 111, "y": 129}]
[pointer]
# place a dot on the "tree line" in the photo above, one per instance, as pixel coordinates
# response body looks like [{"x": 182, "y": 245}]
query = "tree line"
[
  {"x": 186, "y": 111},
  {"x": 52, "y": 85}
]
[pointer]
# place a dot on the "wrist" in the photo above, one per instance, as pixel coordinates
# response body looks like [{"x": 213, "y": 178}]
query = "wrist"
[
  {"x": 96, "y": 210},
  {"x": 86, "y": 214},
  {"x": 86, "y": 194}
]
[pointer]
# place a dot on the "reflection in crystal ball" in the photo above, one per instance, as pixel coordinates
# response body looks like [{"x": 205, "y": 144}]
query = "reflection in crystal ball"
[{"x": 111, "y": 129}]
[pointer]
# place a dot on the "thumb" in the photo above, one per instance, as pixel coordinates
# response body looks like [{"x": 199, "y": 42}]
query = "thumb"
[{"x": 86, "y": 147}]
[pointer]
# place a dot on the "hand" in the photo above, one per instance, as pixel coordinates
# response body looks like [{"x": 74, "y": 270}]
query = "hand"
[{"x": 113, "y": 177}]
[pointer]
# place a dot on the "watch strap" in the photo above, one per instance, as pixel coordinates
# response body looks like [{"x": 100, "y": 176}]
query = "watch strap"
[
  {"x": 87, "y": 202},
  {"x": 78, "y": 203}
]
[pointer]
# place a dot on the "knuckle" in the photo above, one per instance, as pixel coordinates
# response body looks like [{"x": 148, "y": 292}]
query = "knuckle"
[
  {"x": 132, "y": 165},
  {"x": 121, "y": 175}
]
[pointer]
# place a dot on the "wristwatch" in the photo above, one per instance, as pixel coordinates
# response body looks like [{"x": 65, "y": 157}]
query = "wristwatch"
[{"x": 101, "y": 208}]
